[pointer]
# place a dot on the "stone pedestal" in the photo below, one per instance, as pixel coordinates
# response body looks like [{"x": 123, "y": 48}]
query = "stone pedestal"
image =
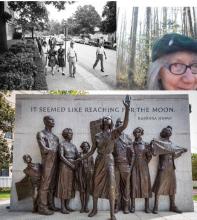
[{"x": 151, "y": 112}]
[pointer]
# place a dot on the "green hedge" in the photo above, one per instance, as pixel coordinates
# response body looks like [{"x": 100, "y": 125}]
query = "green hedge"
[
  {"x": 21, "y": 68},
  {"x": 39, "y": 77},
  {"x": 194, "y": 166}
]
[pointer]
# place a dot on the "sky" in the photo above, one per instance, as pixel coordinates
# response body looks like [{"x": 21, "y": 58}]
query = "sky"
[{"x": 54, "y": 14}]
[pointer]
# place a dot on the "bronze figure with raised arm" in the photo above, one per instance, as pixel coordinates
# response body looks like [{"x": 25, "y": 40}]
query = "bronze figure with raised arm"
[{"x": 104, "y": 175}]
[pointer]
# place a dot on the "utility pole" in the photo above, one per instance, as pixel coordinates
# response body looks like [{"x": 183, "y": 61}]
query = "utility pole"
[{"x": 65, "y": 34}]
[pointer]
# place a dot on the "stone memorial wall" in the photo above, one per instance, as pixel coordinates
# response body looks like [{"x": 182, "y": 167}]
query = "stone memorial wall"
[{"x": 151, "y": 112}]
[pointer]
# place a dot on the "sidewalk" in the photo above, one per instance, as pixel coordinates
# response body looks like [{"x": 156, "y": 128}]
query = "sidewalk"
[
  {"x": 5, "y": 214},
  {"x": 83, "y": 80}
]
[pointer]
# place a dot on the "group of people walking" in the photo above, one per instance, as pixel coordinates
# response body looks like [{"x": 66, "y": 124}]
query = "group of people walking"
[
  {"x": 56, "y": 58},
  {"x": 53, "y": 58}
]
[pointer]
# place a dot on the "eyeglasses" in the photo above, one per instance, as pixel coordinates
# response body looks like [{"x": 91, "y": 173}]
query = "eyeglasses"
[{"x": 180, "y": 68}]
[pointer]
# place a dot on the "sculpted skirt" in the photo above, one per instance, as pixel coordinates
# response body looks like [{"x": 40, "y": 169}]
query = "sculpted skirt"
[
  {"x": 66, "y": 182},
  {"x": 104, "y": 177},
  {"x": 165, "y": 182},
  {"x": 140, "y": 180}
]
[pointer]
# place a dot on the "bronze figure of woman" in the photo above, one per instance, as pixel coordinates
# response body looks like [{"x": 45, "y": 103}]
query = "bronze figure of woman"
[
  {"x": 140, "y": 176},
  {"x": 104, "y": 185},
  {"x": 66, "y": 181},
  {"x": 165, "y": 182}
]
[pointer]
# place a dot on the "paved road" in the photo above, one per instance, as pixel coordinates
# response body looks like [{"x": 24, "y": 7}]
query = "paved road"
[
  {"x": 87, "y": 78},
  {"x": 5, "y": 214}
]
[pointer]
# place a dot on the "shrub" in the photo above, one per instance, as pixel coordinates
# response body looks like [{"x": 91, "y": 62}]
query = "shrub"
[
  {"x": 194, "y": 166},
  {"x": 21, "y": 68},
  {"x": 17, "y": 36}
]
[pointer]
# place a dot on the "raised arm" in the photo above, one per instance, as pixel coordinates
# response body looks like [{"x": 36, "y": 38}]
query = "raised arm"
[{"x": 126, "y": 103}]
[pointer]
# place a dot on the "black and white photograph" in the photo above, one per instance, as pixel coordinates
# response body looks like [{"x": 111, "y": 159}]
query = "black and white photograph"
[{"x": 58, "y": 45}]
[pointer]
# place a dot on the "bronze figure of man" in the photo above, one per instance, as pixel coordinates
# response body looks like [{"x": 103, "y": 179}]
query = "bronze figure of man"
[
  {"x": 48, "y": 144},
  {"x": 123, "y": 156},
  {"x": 165, "y": 182}
]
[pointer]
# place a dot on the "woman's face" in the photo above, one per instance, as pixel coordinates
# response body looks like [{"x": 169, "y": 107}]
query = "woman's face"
[
  {"x": 68, "y": 135},
  {"x": 85, "y": 147},
  {"x": 107, "y": 122},
  {"x": 176, "y": 76},
  {"x": 137, "y": 133}
]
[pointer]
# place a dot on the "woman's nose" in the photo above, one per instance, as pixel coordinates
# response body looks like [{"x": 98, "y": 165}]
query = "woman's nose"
[{"x": 188, "y": 76}]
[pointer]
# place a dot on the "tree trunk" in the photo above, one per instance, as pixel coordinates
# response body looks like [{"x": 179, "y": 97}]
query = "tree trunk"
[
  {"x": 32, "y": 33},
  {"x": 184, "y": 21},
  {"x": 3, "y": 34},
  {"x": 164, "y": 20},
  {"x": 147, "y": 47},
  {"x": 195, "y": 23},
  {"x": 131, "y": 69},
  {"x": 190, "y": 22}
]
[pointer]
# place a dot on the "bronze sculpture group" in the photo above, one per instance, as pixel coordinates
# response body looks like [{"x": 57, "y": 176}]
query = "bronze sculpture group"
[{"x": 120, "y": 172}]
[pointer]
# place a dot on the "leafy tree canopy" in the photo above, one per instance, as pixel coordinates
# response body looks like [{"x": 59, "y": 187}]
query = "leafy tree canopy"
[
  {"x": 85, "y": 19},
  {"x": 4, "y": 153},
  {"x": 32, "y": 15},
  {"x": 6, "y": 114},
  {"x": 109, "y": 14}
]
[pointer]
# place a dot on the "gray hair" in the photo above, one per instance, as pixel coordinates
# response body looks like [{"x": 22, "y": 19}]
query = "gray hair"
[{"x": 153, "y": 82}]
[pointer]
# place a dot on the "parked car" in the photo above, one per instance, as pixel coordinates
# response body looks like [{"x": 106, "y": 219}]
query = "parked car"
[
  {"x": 59, "y": 41},
  {"x": 93, "y": 43},
  {"x": 108, "y": 44},
  {"x": 76, "y": 39},
  {"x": 82, "y": 41}
]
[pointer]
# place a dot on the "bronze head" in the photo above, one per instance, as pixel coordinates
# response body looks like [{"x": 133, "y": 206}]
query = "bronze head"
[
  {"x": 67, "y": 134},
  {"x": 27, "y": 158},
  {"x": 119, "y": 122},
  {"x": 166, "y": 132},
  {"x": 138, "y": 131},
  {"x": 106, "y": 123},
  {"x": 85, "y": 146},
  {"x": 49, "y": 121}
]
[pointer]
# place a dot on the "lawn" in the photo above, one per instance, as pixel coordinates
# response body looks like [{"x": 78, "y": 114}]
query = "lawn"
[
  {"x": 4, "y": 195},
  {"x": 195, "y": 197}
]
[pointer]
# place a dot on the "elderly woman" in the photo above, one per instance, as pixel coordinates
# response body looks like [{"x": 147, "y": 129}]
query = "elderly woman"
[
  {"x": 104, "y": 184},
  {"x": 174, "y": 63},
  {"x": 66, "y": 182}
]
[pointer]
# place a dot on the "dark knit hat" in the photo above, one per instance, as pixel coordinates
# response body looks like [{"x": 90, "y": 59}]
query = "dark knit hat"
[{"x": 171, "y": 43}]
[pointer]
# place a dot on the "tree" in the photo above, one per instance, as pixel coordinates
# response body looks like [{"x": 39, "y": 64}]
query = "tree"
[
  {"x": 16, "y": 6},
  {"x": 6, "y": 124},
  {"x": 6, "y": 114},
  {"x": 86, "y": 19},
  {"x": 31, "y": 15},
  {"x": 4, "y": 17},
  {"x": 133, "y": 36},
  {"x": 108, "y": 25},
  {"x": 54, "y": 27},
  {"x": 4, "y": 154}
]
